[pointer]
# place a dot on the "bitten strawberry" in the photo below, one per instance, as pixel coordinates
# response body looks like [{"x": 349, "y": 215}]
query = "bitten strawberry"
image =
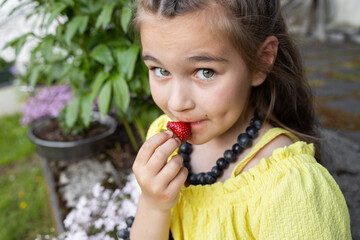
[{"x": 181, "y": 129}]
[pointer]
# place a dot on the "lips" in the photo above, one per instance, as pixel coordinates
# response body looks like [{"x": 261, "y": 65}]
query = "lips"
[
  {"x": 196, "y": 123},
  {"x": 193, "y": 123}
]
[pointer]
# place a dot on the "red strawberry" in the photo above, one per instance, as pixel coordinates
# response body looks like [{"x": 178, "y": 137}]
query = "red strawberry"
[{"x": 181, "y": 129}]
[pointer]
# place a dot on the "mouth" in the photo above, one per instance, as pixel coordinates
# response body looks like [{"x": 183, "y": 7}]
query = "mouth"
[
  {"x": 192, "y": 123},
  {"x": 196, "y": 123}
]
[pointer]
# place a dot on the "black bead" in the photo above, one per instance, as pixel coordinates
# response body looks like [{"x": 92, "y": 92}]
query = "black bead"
[
  {"x": 252, "y": 131},
  {"x": 201, "y": 178},
  {"x": 186, "y": 148},
  {"x": 259, "y": 115},
  {"x": 192, "y": 179},
  {"x": 187, "y": 165},
  {"x": 222, "y": 163},
  {"x": 216, "y": 171},
  {"x": 236, "y": 148},
  {"x": 230, "y": 156},
  {"x": 244, "y": 140},
  {"x": 256, "y": 122},
  {"x": 185, "y": 157},
  {"x": 123, "y": 233},
  {"x": 129, "y": 221},
  {"x": 209, "y": 178}
]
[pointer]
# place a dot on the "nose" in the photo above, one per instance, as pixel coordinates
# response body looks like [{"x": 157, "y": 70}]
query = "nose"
[{"x": 180, "y": 98}]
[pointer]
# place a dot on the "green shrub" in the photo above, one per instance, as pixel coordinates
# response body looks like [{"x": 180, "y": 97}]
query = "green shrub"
[{"x": 93, "y": 49}]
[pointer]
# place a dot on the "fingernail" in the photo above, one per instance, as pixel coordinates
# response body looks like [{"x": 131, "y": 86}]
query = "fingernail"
[
  {"x": 177, "y": 139},
  {"x": 169, "y": 133}
]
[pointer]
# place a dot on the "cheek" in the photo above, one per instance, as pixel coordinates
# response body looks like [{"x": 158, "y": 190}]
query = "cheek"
[
  {"x": 159, "y": 95},
  {"x": 226, "y": 98}
]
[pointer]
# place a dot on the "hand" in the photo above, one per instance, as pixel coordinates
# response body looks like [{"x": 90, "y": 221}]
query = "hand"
[{"x": 160, "y": 181}]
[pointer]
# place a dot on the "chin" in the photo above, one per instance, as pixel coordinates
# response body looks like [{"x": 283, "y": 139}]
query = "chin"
[{"x": 194, "y": 140}]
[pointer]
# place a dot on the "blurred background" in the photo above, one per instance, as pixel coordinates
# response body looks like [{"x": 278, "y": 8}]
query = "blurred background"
[{"x": 328, "y": 36}]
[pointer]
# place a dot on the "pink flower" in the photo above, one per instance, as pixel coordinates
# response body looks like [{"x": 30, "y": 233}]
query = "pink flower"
[{"x": 47, "y": 103}]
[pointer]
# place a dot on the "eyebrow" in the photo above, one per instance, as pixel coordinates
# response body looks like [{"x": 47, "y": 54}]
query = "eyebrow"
[
  {"x": 196, "y": 58},
  {"x": 207, "y": 58},
  {"x": 149, "y": 58}
]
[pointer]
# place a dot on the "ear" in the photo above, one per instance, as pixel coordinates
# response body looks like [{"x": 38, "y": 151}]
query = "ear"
[{"x": 267, "y": 53}]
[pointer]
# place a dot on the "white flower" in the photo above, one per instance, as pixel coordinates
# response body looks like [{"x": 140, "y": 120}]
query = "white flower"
[
  {"x": 97, "y": 190},
  {"x": 98, "y": 223},
  {"x": 104, "y": 210}
]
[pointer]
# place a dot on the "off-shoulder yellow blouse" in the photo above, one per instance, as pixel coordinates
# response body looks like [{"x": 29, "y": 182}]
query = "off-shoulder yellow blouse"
[{"x": 286, "y": 196}]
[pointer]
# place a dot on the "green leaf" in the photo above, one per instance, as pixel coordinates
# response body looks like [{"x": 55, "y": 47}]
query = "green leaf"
[
  {"x": 69, "y": 2},
  {"x": 144, "y": 78},
  {"x": 49, "y": 74},
  {"x": 126, "y": 15},
  {"x": 34, "y": 75},
  {"x": 2, "y": 4},
  {"x": 119, "y": 42},
  {"x": 105, "y": 15},
  {"x": 73, "y": 26},
  {"x": 102, "y": 54},
  {"x": 126, "y": 60},
  {"x": 121, "y": 92},
  {"x": 86, "y": 109},
  {"x": 104, "y": 98},
  {"x": 47, "y": 47},
  {"x": 57, "y": 9},
  {"x": 19, "y": 45},
  {"x": 72, "y": 112},
  {"x": 83, "y": 24},
  {"x": 66, "y": 70},
  {"x": 18, "y": 7},
  {"x": 98, "y": 81}
]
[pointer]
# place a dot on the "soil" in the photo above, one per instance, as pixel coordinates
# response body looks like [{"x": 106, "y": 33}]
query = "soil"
[{"x": 53, "y": 132}]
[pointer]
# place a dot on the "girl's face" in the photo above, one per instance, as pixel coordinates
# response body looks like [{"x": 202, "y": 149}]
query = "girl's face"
[{"x": 196, "y": 75}]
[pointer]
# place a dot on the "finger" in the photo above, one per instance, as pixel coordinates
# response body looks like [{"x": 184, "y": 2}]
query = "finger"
[
  {"x": 159, "y": 159},
  {"x": 149, "y": 147},
  {"x": 178, "y": 181},
  {"x": 171, "y": 169}
]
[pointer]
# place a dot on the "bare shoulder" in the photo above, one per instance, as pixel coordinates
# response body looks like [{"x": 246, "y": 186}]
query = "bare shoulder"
[{"x": 267, "y": 150}]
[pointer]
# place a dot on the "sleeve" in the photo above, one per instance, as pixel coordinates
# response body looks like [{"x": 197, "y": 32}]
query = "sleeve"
[
  {"x": 157, "y": 125},
  {"x": 304, "y": 203}
]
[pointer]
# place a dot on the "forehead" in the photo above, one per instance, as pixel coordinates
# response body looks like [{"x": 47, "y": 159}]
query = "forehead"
[{"x": 188, "y": 32}]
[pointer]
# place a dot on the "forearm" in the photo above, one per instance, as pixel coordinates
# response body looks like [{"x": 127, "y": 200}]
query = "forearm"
[{"x": 150, "y": 223}]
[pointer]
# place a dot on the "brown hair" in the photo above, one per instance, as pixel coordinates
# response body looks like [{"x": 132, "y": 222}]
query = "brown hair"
[{"x": 285, "y": 95}]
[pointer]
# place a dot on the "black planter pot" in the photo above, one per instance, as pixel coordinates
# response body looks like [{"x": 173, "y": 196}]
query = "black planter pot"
[{"x": 71, "y": 150}]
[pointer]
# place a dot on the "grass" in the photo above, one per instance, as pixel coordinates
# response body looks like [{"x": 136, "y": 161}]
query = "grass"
[
  {"x": 24, "y": 203},
  {"x": 14, "y": 143}
]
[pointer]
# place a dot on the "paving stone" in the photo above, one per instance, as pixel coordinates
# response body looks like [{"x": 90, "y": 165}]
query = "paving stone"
[
  {"x": 350, "y": 105},
  {"x": 334, "y": 87}
]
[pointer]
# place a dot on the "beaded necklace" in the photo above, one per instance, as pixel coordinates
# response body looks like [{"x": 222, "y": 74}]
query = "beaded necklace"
[{"x": 244, "y": 141}]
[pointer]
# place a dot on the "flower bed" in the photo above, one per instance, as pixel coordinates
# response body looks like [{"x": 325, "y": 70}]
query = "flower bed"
[{"x": 93, "y": 196}]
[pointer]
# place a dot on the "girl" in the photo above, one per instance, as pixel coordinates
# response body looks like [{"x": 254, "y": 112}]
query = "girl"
[{"x": 221, "y": 65}]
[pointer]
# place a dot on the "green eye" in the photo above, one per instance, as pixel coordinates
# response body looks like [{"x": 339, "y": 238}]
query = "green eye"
[
  {"x": 205, "y": 73},
  {"x": 161, "y": 72}
]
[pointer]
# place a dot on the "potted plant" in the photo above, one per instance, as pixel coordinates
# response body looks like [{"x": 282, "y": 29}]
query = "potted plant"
[
  {"x": 44, "y": 112},
  {"x": 92, "y": 50}
]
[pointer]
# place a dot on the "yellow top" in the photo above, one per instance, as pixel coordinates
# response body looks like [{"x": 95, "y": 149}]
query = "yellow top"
[{"x": 286, "y": 196}]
